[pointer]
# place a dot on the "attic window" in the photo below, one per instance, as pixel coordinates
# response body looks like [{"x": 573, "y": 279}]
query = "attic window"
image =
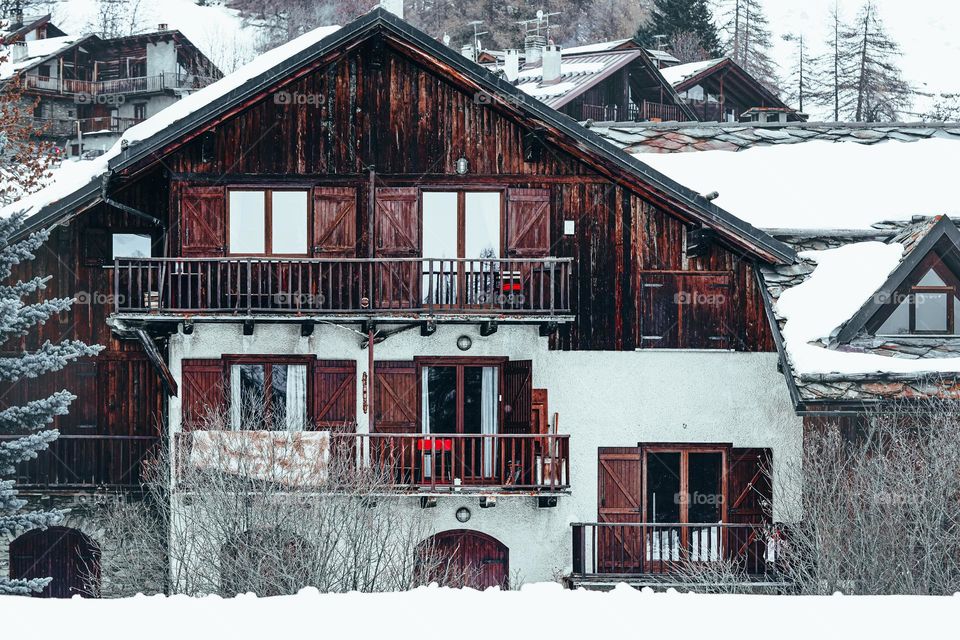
[{"x": 929, "y": 307}]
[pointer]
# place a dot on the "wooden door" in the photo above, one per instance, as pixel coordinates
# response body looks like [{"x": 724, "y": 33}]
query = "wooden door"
[
  {"x": 397, "y": 235},
  {"x": 620, "y": 501},
  {"x": 751, "y": 501},
  {"x": 66, "y": 555},
  {"x": 685, "y": 310},
  {"x": 463, "y": 558},
  {"x": 336, "y": 284}
]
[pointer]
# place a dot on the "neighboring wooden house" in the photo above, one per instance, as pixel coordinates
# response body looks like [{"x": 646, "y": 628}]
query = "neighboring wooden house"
[
  {"x": 605, "y": 81},
  {"x": 387, "y": 223},
  {"x": 721, "y": 90},
  {"x": 85, "y": 91}
]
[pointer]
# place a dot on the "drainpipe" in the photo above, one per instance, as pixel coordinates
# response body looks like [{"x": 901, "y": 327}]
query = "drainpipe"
[{"x": 104, "y": 187}]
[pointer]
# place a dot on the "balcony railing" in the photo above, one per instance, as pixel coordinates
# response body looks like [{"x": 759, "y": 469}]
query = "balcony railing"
[
  {"x": 646, "y": 111},
  {"x": 409, "y": 463},
  {"x": 342, "y": 286},
  {"x": 86, "y": 462},
  {"x": 125, "y": 86},
  {"x": 112, "y": 124},
  {"x": 654, "y": 549}
]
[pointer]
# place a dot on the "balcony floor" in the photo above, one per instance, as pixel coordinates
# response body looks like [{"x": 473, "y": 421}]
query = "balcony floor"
[
  {"x": 377, "y": 317},
  {"x": 768, "y": 584}
]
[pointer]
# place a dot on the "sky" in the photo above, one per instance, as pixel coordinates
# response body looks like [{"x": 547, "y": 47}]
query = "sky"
[{"x": 925, "y": 29}]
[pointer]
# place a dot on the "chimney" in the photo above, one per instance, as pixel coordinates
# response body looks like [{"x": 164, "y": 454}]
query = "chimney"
[
  {"x": 511, "y": 64},
  {"x": 469, "y": 52},
  {"x": 393, "y": 6},
  {"x": 18, "y": 51},
  {"x": 163, "y": 26},
  {"x": 551, "y": 64},
  {"x": 533, "y": 46}
]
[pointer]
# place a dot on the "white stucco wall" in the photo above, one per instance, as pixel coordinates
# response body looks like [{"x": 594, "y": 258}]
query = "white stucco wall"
[
  {"x": 605, "y": 399},
  {"x": 161, "y": 58}
]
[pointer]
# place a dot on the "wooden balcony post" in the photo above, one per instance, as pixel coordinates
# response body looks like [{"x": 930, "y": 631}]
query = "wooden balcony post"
[{"x": 579, "y": 550}]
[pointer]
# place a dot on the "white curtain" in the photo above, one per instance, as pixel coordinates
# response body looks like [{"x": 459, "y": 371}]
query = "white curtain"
[
  {"x": 488, "y": 416},
  {"x": 236, "y": 399},
  {"x": 425, "y": 400},
  {"x": 296, "y": 397}
]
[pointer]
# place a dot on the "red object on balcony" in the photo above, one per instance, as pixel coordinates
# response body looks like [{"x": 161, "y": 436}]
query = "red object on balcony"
[{"x": 436, "y": 444}]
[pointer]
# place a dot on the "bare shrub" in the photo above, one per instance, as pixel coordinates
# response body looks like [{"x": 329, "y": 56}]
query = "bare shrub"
[{"x": 268, "y": 512}]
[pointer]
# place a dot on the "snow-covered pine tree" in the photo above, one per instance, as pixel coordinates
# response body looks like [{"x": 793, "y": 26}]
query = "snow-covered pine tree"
[
  {"x": 674, "y": 18},
  {"x": 18, "y": 316},
  {"x": 21, "y": 310},
  {"x": 747, "y": 40}
]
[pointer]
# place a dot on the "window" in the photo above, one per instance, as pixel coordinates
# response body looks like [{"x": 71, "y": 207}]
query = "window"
[
  {"x": 268, "y": 222},
  {"x": 132, "y": 245},
  {"x": 461, "y": 242},
  {"x": 268, "y": 396},
  {"x": 140, "y": 111},
  {"x": 929, "y": 307},
  {"x": 43, "y": 71}
]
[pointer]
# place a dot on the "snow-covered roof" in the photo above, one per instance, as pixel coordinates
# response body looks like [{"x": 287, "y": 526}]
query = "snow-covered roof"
[
  {"x": 596, "y": 47},
  {"x": 72, "y": 176},
  {"x": 824, "y": 185},
  {"x": 681, "y": 72},
  {"x": 37, "y": 51}
]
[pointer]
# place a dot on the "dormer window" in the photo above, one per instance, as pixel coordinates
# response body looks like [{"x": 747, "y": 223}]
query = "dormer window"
[{"x": 929, "y": 307}]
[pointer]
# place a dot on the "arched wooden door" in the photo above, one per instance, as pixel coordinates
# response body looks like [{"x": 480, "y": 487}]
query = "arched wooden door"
[
  {"x": 463, "y": 558},
  {"x": 66, "y": 555}
]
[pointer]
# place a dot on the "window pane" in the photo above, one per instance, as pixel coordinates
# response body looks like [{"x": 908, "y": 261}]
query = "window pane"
[
  {"x": 252, "y": 395},
  {"x": 439, "y": 224},
  {"x": 441, "y": 403},
  {"x": 247, "y": 222},
  {"x": 663, "y": 487},
  {"x": 931, "y": 279},
  {"x": 289, "y": 221},
  {"x": 931, "y": 310},
  {"x": 131, "y": 245},
  {"x": 898, "y": 322},
  {"x": 482, "y": 225},
  {"x": 704, "y": 482}
]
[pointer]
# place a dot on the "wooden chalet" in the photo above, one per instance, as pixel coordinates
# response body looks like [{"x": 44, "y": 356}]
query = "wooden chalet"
[
  {"x": 720, "y": 90},
  {"x": 612, "y": 81},
  {"x": 85, "y": 91},
  {"x": 407, "y": 250}
]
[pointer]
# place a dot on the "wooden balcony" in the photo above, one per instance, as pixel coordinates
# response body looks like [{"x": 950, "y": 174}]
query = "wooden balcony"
[
  {"x": 646, "y": 111},
  {"x": 85, "y": 462},
  {"x": 118, "y": 86},
  {"x": 519, "y": 289},
  {"x": 661, "y": 554},
  {"x": 113, "y": 124},
  {"x": 495, "y": 464}
]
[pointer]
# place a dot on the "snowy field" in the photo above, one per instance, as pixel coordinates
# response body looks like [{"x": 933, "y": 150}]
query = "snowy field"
[{"x": 538, "y": 610}]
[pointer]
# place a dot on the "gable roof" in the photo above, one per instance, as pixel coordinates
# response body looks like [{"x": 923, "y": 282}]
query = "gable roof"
[
  {"x": 917, "y": 241},
  {"x": 735, "y": 79},
  {"x": 180, "y": 122},
  {"x": 41, "y": 51}
]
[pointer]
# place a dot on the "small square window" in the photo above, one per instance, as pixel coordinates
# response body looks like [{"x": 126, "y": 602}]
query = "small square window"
[{"x": 132, "y": 245}]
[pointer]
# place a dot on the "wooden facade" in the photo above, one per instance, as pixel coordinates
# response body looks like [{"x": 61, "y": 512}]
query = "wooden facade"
[{"x": 384, "y": 124}]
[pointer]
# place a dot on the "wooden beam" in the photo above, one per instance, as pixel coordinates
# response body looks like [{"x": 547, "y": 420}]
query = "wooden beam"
[
  {"x": 306, "y": 329},
  {"x": 153, "y": 355}
]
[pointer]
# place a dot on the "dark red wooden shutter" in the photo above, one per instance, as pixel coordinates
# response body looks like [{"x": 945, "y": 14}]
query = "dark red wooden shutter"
[
  {"x": 749, "y": 489},
  {"x": 335, "y": 394},
  {"x": 395, "y": 396},
  {"x": 397, "y": 222},
  {"x": 620, "y": 500},
  {"x": 203, "y": 391},
  {"x": 334, "y": 221},
  {"x": 749, "y": 501},
  {"x": 518, "y": 396},
  {"x": 688, "y": 310},
  {"x": 528, "y": 223},
  {"x": 203, "y": 220},
  {"x": 91, "y": 396}
]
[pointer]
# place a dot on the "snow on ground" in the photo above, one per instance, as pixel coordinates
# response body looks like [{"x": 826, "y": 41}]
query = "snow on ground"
[
  {"x": 537, "y": 610},
  {"x": 73, "y": 175},
  {"x": 823, "y": 185}
]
